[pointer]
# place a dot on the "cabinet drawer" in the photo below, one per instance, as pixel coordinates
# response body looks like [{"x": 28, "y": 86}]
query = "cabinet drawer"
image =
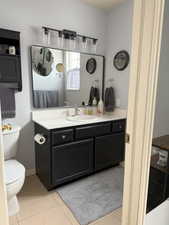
[
  {"x": 61, "y": 137},
  {"x": 118, "y": 126},
  {"x": 92, "y": 131}
]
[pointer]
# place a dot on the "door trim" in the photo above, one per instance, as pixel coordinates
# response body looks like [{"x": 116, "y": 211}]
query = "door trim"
[
  {"x": 3, "y": 205},
  {"x": 146, "y": 43}
]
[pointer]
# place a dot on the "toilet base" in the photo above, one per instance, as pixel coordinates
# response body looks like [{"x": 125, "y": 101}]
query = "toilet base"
[{"x": 13, "y": 206}]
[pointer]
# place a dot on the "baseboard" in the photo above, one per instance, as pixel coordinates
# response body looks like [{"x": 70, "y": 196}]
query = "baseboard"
[{"x": 30, "y": 172}]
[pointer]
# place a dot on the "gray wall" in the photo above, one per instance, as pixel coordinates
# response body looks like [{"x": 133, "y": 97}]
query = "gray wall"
[
  {"x": 27, "y": 17},
  {"x": 119, "y": 37}
]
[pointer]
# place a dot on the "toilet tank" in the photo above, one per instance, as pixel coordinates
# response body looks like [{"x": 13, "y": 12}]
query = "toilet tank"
[{"x": 10, "y": 141}]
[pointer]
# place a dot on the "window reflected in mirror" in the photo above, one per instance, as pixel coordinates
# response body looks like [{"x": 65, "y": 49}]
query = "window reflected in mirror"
[{"x": 73, "y": 71}]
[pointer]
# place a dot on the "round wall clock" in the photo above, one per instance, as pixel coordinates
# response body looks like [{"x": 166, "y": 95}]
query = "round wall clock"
[
  {"x": 121, "y": 60},
  {"x": 91, "y": 65}
]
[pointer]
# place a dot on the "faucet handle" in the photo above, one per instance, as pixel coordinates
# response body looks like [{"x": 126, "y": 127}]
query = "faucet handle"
[{"x": 76, "y": 109}]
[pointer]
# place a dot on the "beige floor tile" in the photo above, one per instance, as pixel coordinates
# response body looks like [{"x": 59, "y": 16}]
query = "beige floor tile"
[
  {"x": 65, "y": 208},
  {"x": 118, "y": 213},
  {"x": 13, "y": 220},
  {"x": 34, "y": 220},
  {"x": 32, "y": 207},
  {"x": 70, "y": 215},
  {"x": 34, "y": 199},
  {"x": 54, "y": 216},
  {"x": 33, "y": 187},
  {"x": 110, "y": 219},
  {"x": 57, "y": 216}
]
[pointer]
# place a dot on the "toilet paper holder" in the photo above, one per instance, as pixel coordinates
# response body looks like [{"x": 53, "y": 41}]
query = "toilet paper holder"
[{"x": 40, "y": 139}]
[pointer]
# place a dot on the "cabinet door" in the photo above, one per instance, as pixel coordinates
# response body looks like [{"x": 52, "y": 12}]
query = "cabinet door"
[
  {"x": 109, "y": 150},
  {"x": 156, "y": 190},
  {"x": 71, "y": 161},
  {"x": 10, "y": 68}
]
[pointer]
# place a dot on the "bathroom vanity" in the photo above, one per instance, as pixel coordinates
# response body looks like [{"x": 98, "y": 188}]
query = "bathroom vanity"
[
  {"x": 79, "y": 145},
  {"x": 75, "y": 149}
]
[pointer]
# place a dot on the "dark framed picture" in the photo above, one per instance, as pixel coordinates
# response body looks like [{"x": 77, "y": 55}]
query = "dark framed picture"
[
  {"x": 121, "y": 60},
  {"x": 91, "y": 65}
]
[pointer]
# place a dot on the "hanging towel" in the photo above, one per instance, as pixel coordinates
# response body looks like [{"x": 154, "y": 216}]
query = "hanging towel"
[
  {"x": 109, "y": 99},
  {"x": 7, "y": 98},
  {"x": 94, "y": 93}
]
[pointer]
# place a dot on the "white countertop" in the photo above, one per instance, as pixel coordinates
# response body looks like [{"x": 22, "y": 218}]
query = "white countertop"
[{"x": 58, "y": 121}]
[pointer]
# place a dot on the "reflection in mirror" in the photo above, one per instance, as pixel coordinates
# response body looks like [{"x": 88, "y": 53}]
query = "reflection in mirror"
[
  {"x": 42, "y": 61},
  {"x": 60, "y": 78},
  {"x": 48, "y": 82}
]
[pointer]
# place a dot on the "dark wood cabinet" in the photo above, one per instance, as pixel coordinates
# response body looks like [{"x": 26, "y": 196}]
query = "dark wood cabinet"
[
  {"x": 10, "y": 65},
  {"x": 72, "y": 161},
  {"x": 74, "y": 152},
  {"x": 9, "y": 68},
  {"x": 158, "y": 190},
  {"x": 109, "y": 150}
]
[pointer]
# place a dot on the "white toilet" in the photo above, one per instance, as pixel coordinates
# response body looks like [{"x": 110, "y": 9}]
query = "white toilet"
[{"x": 14, "y": 171}]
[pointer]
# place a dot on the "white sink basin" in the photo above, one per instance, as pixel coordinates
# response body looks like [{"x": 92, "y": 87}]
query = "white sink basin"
[{"x": 81, "y": 118}]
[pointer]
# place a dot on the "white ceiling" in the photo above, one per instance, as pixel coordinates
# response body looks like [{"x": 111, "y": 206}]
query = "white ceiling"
[{"x": 104, "y": 4}]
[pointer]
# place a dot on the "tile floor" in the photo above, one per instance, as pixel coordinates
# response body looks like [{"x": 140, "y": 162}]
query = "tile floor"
[{"x": 40, "y": 207}]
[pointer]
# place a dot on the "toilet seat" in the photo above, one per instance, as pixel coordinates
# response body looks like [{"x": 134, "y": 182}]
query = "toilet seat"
[{"x": 14, "y": 171}]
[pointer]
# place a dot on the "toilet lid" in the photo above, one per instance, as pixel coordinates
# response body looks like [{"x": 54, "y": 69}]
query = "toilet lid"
[{"x": 13, "y": 171}]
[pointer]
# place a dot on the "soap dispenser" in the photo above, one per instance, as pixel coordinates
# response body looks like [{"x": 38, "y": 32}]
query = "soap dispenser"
[
  {"x": 94, "y": 106},
  {"x": 100, "y": 107}
]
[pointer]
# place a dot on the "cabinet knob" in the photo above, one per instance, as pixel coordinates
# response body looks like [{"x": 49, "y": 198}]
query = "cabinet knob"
[{"x": 63, "y": 136}]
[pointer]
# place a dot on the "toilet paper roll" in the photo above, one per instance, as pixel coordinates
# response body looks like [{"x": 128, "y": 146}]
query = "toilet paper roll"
[{"x": 40, "y": 139}]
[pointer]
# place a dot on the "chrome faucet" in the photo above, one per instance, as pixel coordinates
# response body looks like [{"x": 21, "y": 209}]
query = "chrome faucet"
[{"x": 76, "y": 109}]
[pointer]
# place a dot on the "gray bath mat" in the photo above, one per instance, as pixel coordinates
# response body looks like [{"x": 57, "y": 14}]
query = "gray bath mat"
[{"x": 95, "y": 196}]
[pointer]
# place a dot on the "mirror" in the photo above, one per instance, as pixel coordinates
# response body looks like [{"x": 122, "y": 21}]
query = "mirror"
[{"x": 65, "y": 78}]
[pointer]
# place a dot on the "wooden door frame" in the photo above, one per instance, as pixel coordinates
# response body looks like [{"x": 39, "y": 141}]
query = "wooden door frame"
[
  {"x": 146, "y": 45},
  {"x": 3, "y": 197}
]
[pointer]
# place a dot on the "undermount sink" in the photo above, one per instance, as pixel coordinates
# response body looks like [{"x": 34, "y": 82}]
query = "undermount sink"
[{"x": 81, "y": 118}]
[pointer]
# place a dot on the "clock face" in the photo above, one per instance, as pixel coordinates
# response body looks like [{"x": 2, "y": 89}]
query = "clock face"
[
  {"x": 91, "y": 65},
  {"x": 121, "y": 60}
]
